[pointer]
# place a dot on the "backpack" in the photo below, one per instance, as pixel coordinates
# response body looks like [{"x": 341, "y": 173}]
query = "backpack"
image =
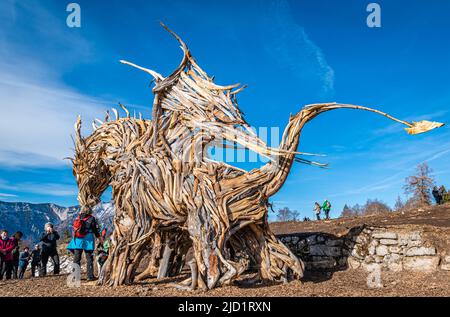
[{"x": 79, "y": 226}]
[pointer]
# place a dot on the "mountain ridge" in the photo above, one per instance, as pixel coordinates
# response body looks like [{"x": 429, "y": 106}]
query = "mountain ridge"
[{"x": 30, "y": 218}]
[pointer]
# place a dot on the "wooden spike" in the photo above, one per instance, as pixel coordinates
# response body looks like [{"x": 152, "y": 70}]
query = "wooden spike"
[
  {"x": 125, "y": 109},
  {"x": 116, "y": 113}
]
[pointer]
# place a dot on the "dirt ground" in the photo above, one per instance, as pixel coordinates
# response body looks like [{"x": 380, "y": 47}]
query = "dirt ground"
[
  {"x": 348, "y": 283},
  {"x": 344, "y": 283}
]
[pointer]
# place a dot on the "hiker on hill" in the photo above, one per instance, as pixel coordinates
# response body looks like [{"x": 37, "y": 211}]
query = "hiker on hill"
[
  {"x": 436, "y": 194},
  {"x": 16, "y": 253},
  {"x": 317, "y": 209},
  {"x": 7, "y": 245},
  {"x": 326, "y": 208},
  {"x": 85, "y": 230},
  {"x": 49, "y": 250},
  {"x": 442, "y": 194},
  {"x": 24, "y": 258},
  {"x": 35, "y": 259}
]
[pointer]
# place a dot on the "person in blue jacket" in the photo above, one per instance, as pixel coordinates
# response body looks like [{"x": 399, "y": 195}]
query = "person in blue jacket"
[
  {"x": 85, "y": 232},
  {"x": 24, "y": 259}
]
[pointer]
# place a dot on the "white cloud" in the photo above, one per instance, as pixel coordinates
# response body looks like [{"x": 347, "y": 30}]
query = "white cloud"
[
  {"x": 51, "y": 189},
  {"x": 439, "y": 154},
  {"x": 37, "y": 119},
  {"x": 3, "y": 195},
  {"x": 37, "y": 109}
]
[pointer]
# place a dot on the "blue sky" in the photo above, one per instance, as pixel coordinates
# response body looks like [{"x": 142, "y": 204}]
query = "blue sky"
[{"x": 290, "y": 53}]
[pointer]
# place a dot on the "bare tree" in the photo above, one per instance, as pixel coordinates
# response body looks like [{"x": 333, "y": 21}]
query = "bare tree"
[
  {"x": 352, "y": 211},
  {"x": 372, "y": 206},
  {"x": 410, "y": 203},
  {"x": 295, "y": 215},
  {"x": 399, "y": 204},
  {"x": 346, "y": 212},
  {"x": 420, "y": 185},
  {"x": 358, "y": 210},
  {"x": 375, "y": 206},
  {"x": 285, "y": 214}
]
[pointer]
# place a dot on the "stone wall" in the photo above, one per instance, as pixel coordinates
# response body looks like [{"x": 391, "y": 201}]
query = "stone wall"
[{"x": 390, "y": 248}]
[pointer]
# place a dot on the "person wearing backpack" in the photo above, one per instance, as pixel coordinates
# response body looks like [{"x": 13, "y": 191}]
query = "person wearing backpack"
[
  {"x": 49, "y": 250},
  {"x": 85, "y": 230},
  {"x": 326, "y": 208},
  {"x": 437, "y": 195},
  {"x": 317, "y": 209}
]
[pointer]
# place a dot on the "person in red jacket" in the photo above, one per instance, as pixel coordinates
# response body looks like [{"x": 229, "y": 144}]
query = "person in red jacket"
[{"x": 7, "y": 245}]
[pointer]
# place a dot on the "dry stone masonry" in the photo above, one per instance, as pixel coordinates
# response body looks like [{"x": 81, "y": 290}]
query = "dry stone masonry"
[{"x": 390, "y": 249}]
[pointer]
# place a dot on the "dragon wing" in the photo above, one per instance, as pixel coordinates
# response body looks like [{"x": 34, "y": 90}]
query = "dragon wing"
[{"x": 198, "y": 103}]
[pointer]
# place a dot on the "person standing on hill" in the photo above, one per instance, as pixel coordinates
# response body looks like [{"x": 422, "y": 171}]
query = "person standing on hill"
[
  {"x": 326, "y": 208},
  {"x": 35, "y": 259},
  {"x": 317, "y": 209},
  {"x": 7, "y": 245},
  {"x": 49, "y": 250},
  {"x": 442, "y": 194},
  {"x": 85, "y": 229},
  {"x": 24, "y": 258},
  {"x": 16, "y": 253},
  {"x": 436, "y": 194}
]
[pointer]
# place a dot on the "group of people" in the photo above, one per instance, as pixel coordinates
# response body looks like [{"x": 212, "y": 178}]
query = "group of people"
[
  {"x": 86, "y": 233},
  {"x": 439, "y": 194},
  {"x": 326, "y": 207}
]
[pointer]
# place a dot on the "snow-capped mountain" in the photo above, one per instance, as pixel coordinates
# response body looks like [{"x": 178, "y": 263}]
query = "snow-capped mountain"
[
  {"x": 64, "y": 213},
  {"x": 31, "y": 218}
]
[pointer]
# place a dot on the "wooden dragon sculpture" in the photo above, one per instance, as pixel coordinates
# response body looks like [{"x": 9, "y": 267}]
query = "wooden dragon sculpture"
[{"x": 170, "y": 197}]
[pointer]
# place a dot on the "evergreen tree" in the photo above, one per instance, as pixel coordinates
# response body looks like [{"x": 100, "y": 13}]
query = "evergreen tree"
[{"x": 399, "y": 204}]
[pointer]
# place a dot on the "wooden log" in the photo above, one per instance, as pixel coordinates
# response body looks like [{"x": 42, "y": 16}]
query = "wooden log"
[{"x": 165, "y": 261}]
